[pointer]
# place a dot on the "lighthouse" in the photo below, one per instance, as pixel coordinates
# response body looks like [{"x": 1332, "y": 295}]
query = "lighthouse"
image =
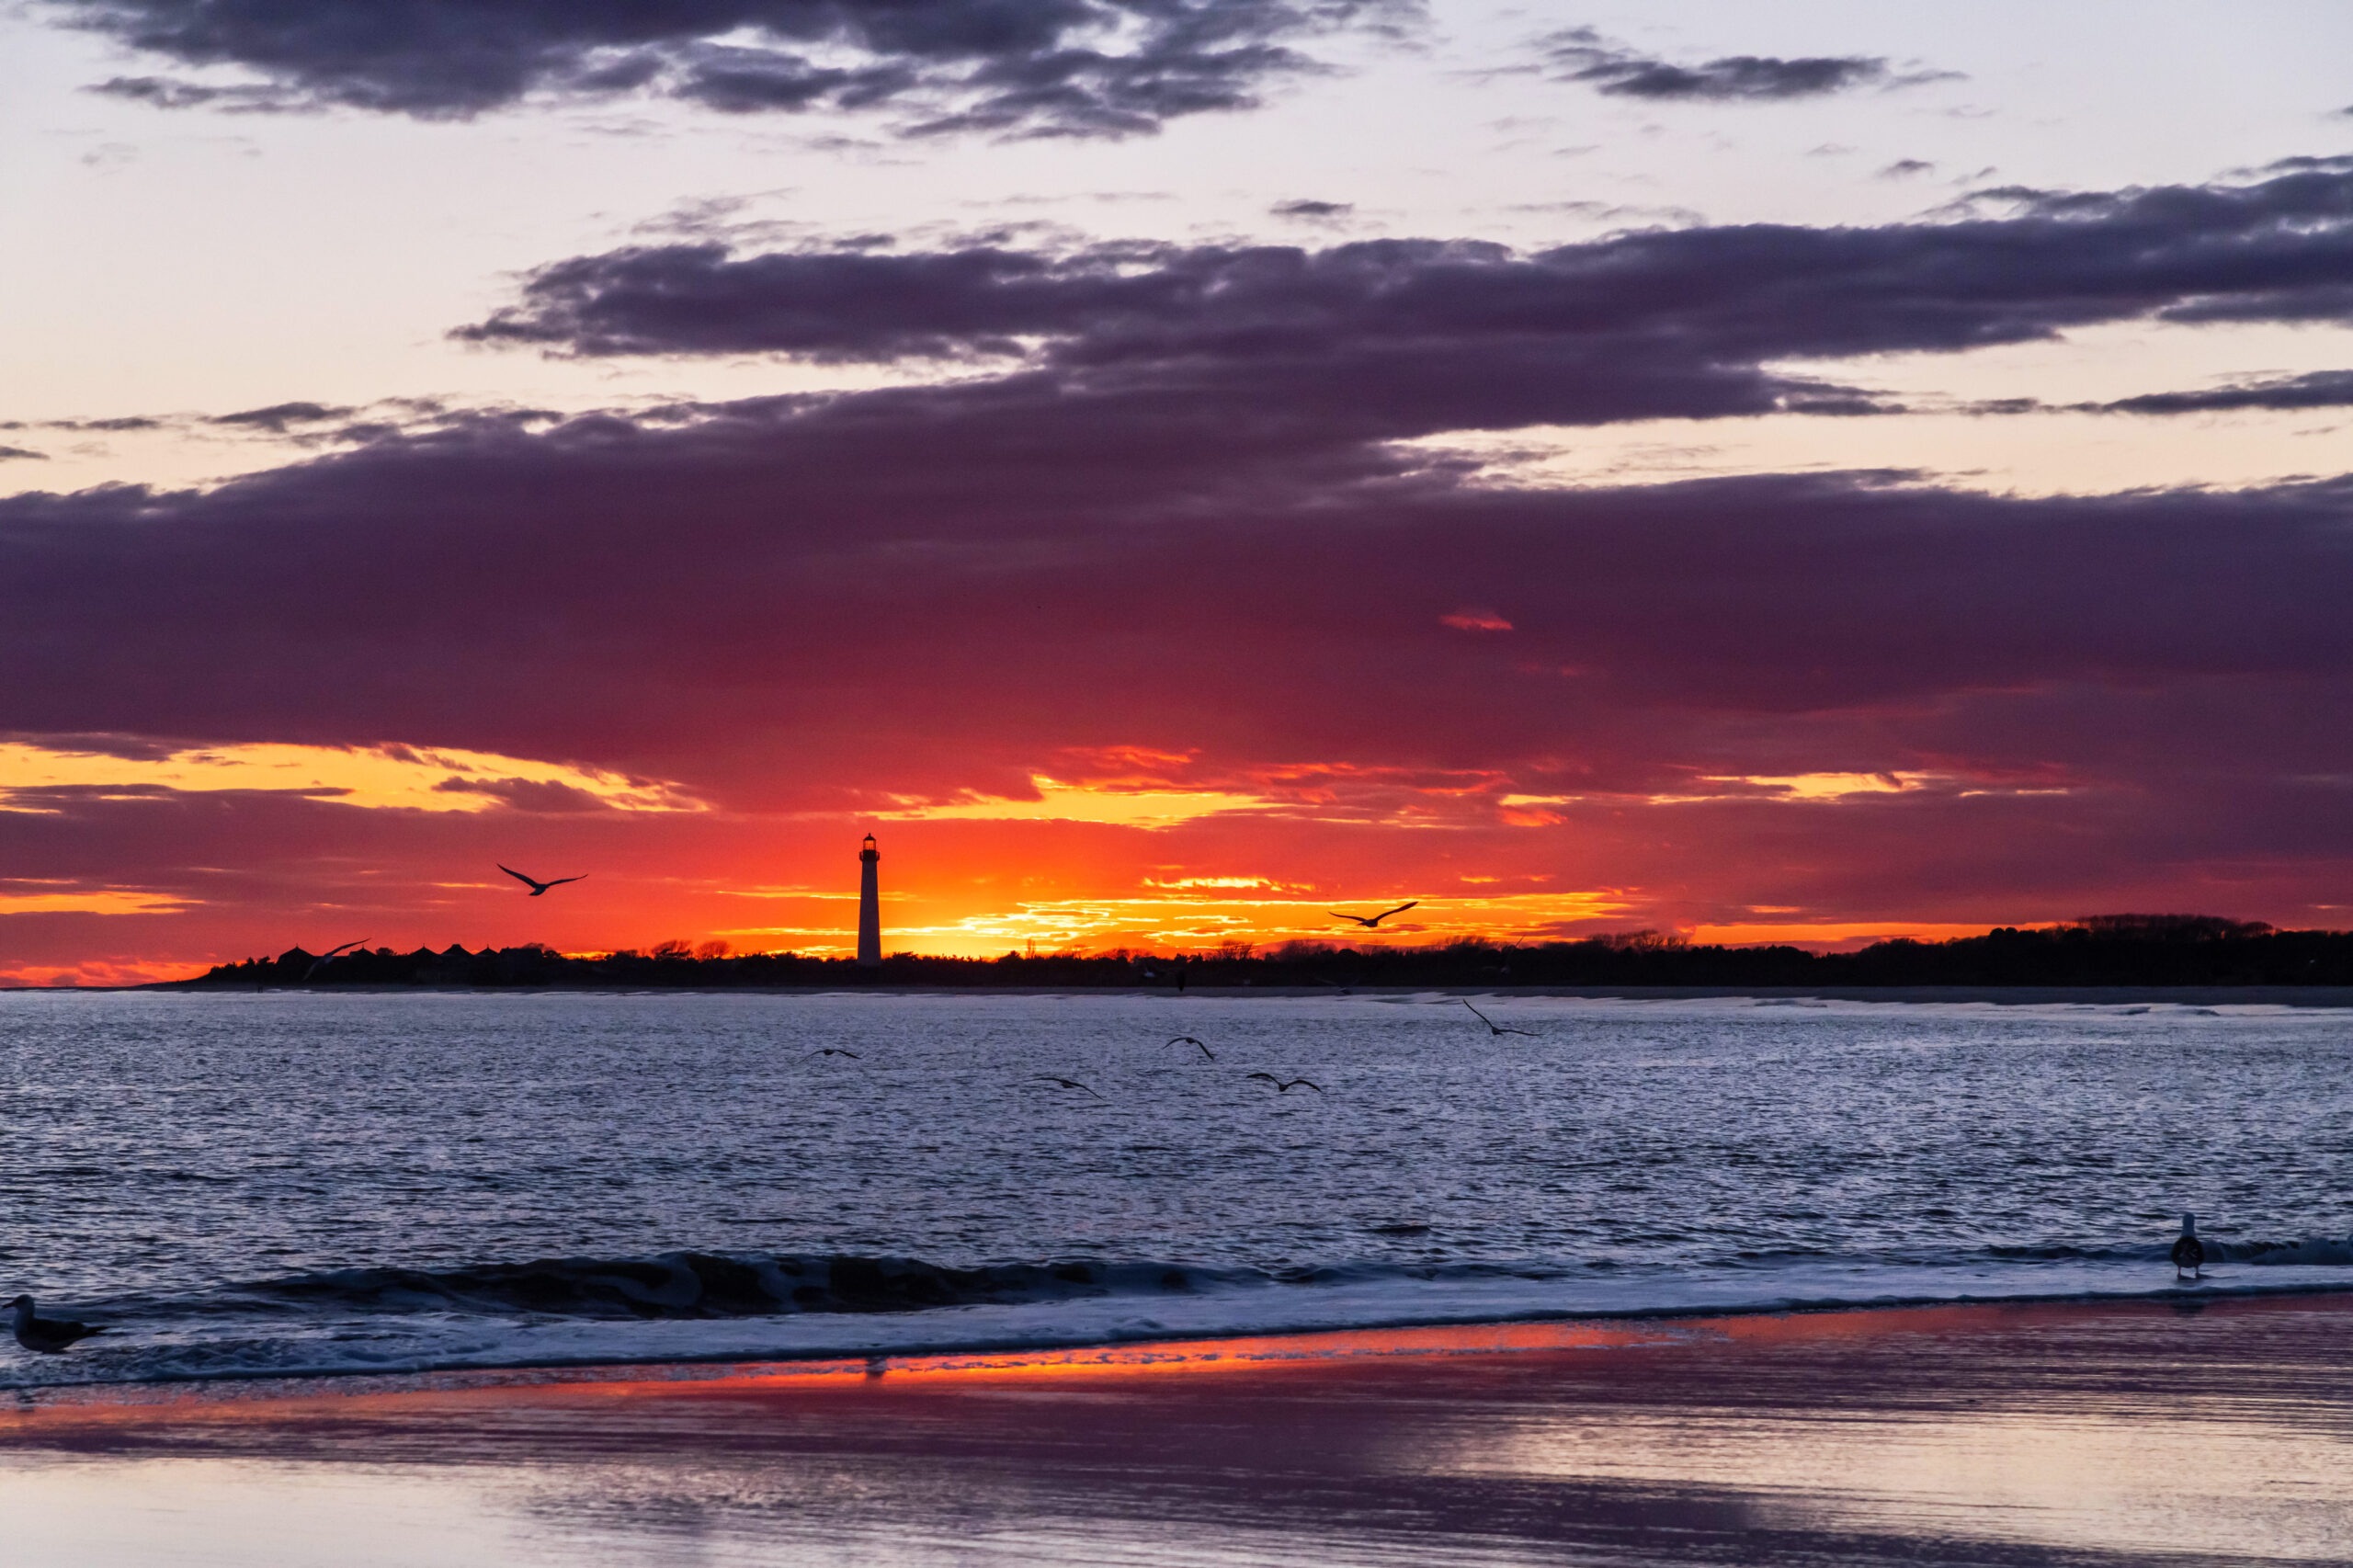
[{"x": 870, "y": 905}]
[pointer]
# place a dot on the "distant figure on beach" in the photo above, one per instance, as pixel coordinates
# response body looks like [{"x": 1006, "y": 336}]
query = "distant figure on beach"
[
  {"x": 2188, "y": 1252},
  {"x": 539, "y": 887},
  {"x": 1370, "y": 922},
  {"x": 51, "y": 1336}
]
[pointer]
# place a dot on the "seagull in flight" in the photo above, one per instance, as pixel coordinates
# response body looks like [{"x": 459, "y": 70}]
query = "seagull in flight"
[
  {"x": 1371, "y": 921},
  {"x": 836, "y": 1051},
  {"x": 1066, "y": 1083},
  {"x": 1283, "y": 1088},
  {"x": 328, "y": 957},
  {"x": 539, "y": 887},
  {"x": 1189, "y": 1040},
  {"x": 51, "y": 1336},
  {"x": 1494, "y": 1027}
]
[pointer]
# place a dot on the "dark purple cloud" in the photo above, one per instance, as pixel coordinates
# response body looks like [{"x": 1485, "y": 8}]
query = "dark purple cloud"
[
  {"x": 919, "y": 587},
  {"x": 1587, "y": 56},
  {"x": 280, "y": 417},
  {"x": 812, "y": 604},
  {"x": 1408, "y": 337},
  {"x": 2314, "y": 388},
  {"x": 1067, "y": 67}
]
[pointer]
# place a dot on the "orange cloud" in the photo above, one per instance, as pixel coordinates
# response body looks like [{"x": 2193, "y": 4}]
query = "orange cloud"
[{"x": 1475, "y": 620}]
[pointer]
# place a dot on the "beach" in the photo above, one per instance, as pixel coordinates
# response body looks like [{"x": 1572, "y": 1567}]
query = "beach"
[{"x": 2183, "y": 1430}]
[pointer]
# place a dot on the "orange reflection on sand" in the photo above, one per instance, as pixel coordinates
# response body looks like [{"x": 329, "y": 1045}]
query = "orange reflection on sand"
[{"x": 264, "y": 1399}]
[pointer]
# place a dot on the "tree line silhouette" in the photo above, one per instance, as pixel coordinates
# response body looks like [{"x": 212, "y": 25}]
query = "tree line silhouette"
[{"x": 2097, "y": 950}]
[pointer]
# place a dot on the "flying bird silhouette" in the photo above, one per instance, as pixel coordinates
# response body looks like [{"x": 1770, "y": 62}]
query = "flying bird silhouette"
[
  {"x": 1494, "y": 1027},
  {"x": 1281, "y": 1088},
  {"x": 1371, "y": 921},
  {"x": 325, "y": 958},
  {"x": 1189, "y": 1040},
  {"x": 51, "y": 1336},
  {"x": 1066, "y": 1083},
  {"x": 836, "y": 1051},
  {"x": 539, "y": 887}
]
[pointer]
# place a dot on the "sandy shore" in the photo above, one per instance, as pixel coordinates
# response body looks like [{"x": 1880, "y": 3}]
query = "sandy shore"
[{"x": 2033, "y": 1434}]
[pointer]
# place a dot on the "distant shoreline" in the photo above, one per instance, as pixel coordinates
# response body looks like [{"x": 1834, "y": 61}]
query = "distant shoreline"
[{"x": 1998, "y": 995}]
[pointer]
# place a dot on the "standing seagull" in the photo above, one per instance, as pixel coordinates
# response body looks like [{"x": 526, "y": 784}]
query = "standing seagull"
[
  {"x": 1189, "y": 1040},
  {"x": 51, "y": 1336},
  {"x": 1494, "y": 1027},
  {"x": 539, "y": 887},
  {"x": 1068, "y": 1083},
  {"x": 1369, "y": 921},
  {"x": 1283, "y": 1088},
  {"x": 2188, "y": 1252}
]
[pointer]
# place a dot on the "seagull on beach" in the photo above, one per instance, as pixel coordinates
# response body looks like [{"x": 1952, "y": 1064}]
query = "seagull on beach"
[
  {"x": 539, "y": 887},
  {"x": 1189, "y": 1040},
  {"x": 836, "y": 1051},
  {"x": 1371, "y": 921},
  {"x": 1494, "y": 1027},
  {"x": 2188, "y": 1252},
  {"x": 1283, "y": 1088},
  {"x": 328, "y": 957},
  {"x": 51, "y": 1336},
  {"x": 1066, "y": 1083}
]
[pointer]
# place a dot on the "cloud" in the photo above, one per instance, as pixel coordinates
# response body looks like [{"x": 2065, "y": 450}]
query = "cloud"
[
  {"x": 1054, "y": 67},
  {"x": 119, "y": 426},
  {"x": 2314, "y": 388},
  {"x": 1612, "y": 68},
  {"x": 1391, "y": 339},
  {"x": 38, "y": 771},
  {"x": 278, "y": 418},
  {"x": 10, "y": 453},
  {"x": 930, "y": 593},
  {"x": 1304, "y": 208}
]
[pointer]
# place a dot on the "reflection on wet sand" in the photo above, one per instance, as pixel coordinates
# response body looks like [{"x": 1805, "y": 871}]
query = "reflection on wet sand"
[{"x": 2018, "y": 1435}]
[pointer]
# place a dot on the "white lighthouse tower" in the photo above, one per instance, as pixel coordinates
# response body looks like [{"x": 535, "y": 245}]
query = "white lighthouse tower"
[{"x": 870, "y": 905}]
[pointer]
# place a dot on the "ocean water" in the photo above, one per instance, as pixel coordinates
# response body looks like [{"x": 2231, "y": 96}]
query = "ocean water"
[{"x": 292, "y": 1183}]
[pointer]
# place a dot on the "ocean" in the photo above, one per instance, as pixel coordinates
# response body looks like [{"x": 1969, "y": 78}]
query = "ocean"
[{"x": 292, "y": 1183}]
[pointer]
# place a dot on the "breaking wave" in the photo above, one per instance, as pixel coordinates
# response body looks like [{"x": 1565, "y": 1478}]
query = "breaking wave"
[{"x": 687, "y": 1285}]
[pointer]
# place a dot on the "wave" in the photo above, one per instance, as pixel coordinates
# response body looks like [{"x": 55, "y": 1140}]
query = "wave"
[
  {"x": 687, "y": 1306},
  {"x": 701, "y": 1285},
  {"x": 705, "y": 1285},
  {"x": 720, "y": 1285}
]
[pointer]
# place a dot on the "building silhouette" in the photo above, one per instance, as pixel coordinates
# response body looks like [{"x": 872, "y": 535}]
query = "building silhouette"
[{"x": 869, "y": 905}]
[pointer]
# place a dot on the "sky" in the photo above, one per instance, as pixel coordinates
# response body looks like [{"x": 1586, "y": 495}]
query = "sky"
[{"x": 1169, "y": 469}]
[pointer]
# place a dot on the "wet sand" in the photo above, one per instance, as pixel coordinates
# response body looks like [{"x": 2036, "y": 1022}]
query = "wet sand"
[{"x": 2180, "y": 1432}]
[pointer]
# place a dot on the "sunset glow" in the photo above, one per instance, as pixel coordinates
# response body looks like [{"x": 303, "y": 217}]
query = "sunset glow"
[{"x": 1899, "y": 488}]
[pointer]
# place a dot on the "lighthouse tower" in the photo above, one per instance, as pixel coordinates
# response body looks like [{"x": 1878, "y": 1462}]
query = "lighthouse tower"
[{"x": 870, "y": 905}]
